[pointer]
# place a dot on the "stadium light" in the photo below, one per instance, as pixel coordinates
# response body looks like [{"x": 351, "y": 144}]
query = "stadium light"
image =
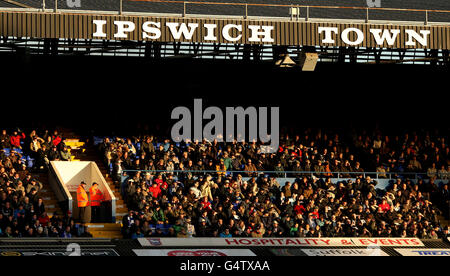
[
  {"x": 285, "y": 61},
  {"x": 308, "y": 61}
]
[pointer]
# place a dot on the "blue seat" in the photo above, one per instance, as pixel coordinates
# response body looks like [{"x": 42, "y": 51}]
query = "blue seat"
[
  {"x": 30, "y": 163},
  {"x": 7, "y": 151},
  {"x": 97, "y": 140}
]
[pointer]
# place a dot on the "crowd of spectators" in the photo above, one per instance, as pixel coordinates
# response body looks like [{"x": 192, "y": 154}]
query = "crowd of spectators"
[
  {"x": 320, "y": 152},
  {"x": 22, "y": 208},
  {"x": 187, "y": 190}
]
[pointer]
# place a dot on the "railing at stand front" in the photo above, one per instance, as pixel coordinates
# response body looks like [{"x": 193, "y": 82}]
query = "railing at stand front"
[
  {"x": 286, "y": 174},
  {"x": 382, "y": 177}
]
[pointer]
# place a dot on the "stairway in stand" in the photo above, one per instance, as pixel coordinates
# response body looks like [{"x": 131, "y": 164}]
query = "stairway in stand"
[
  {"x": 91, "y": 154},
  {"x": 48, "y": 196},
  {"x": 85, "y": 151}
]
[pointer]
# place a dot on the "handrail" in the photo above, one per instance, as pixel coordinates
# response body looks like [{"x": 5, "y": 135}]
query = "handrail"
[
  {"x": 339, "y": 175},
  {"x": 292, "y": 6},
  {"x": 290, "y": 172},
  {"x": 284, "y": 5}
]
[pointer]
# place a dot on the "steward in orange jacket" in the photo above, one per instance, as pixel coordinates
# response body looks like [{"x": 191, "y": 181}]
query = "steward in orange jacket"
[
  {"x": 83, "y": 201},
  {"x": 96, "y": 195},
  {"x": 82, "y": 196},
  {"x": 96, "y": 200}
]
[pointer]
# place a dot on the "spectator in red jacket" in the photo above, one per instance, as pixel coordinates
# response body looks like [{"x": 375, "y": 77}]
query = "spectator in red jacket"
[
  {"x": 299, "y": 209},
  {"x": 159, "y": 180},
  {"x": 155, "y": 189},
  {"x": 16, "y": 138},
  {"x": 206, "y": 205},
  {"x": 56, "y": 139},
  {"x": 385, "y": 206},
  {"x": 44, "y": 219}
]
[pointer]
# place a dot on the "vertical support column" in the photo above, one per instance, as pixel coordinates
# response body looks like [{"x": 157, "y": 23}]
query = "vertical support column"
[
  {"x": 148, "y": 49},
  {"x": 47, "y": 46},
  {"x": 157, "y": 50},
  {"x": 121, "y": 7},
  {"x": 54, "y": 46},
  {"x": 246, "y": 10},
  {"x": 353, "y": 55},
  {"x": 246, "y": 52},
  {"x": 341, "y": 54},
  {"x": 89, "y": 44},
  {"x": 434, "y": 55},
  {"x": 446, "y": 57},
  {"x": 257, "y": 49}
]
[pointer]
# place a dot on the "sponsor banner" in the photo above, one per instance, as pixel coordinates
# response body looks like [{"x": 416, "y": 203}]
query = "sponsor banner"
[
  {"x": 58, "y": 252},
  {"x": 345, "y": 252},
  {"x": 275, "y": 242},
  {"x": 194, "y": 252},
  {"x": 424, "y": 252},
  {"x": 375, "y": 251}
]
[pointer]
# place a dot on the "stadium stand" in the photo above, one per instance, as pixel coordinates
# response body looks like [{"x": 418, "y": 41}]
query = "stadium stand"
[{"x": 232, "y": 190}]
